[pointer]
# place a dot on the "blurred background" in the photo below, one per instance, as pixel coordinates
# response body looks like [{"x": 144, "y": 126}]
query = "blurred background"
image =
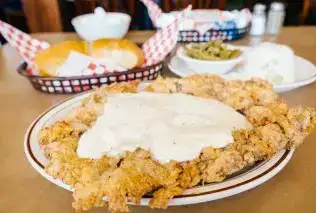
[{"x": 55, "y": 15}]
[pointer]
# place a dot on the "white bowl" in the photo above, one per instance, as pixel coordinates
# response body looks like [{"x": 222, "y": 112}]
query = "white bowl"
[
  {"x": 209, "y": 67},
  {"x": 92, "y": 27}
]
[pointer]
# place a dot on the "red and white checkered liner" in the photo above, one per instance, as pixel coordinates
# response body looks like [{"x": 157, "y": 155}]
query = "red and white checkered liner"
[
  {"x": 155, "y": 49},
  {"x": 160, "y": 44},
  {"x": 154, "y": 10},
  {"x": 24, "y": 44},
  {"x": 194, "y": 34}
]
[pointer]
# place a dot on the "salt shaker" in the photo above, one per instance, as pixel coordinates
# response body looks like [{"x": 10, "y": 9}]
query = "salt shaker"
[
  {"x": 275, "y": 18},
  {"x": 258, "y": 23}
]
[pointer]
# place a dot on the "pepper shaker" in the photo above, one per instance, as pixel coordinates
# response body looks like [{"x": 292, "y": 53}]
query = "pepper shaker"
[
  {"x": 275, "y": 18},
  {"x": 258, "y": 22}
]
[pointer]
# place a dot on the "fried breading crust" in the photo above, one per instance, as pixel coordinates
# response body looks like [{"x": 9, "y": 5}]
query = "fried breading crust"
[{"x": 133, "y": 174}]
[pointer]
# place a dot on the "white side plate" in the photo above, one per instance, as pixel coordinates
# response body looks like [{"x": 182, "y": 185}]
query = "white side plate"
[{"x": 305, "y": 73}]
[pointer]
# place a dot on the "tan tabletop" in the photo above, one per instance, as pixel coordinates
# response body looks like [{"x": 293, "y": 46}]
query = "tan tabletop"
[{"x": 23, "y": 190}]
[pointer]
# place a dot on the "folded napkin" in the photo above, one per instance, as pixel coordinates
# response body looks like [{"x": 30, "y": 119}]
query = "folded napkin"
[
  {"x": 84, "y": 65},
  {"x": 155, "y": 49}
]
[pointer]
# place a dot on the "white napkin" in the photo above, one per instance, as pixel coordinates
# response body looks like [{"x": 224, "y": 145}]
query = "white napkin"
[{"x": 77, "y": 64}]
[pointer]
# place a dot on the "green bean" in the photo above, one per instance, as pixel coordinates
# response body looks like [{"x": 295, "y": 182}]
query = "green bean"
[
  {"x": 212, "y": 50},
  {"x": 234, "y": 54}
]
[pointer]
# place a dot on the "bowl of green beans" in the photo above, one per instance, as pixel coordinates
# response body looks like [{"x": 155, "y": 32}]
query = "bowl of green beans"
[{"x": 214, "y": 57}]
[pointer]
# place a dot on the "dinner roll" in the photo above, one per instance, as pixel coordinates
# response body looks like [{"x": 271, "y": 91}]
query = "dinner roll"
[
  {"x": 122, "y": 52},
  {"x": 48, "y": 60},
  {"x": 110, "y": 52}
]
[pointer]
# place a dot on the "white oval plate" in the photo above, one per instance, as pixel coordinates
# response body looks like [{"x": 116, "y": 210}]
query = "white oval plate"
[
  {"x": 305, "y": 72},
  {"x": 246, "y": 180}
]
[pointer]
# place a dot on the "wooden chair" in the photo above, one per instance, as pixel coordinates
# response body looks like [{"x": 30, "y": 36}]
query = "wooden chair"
[
  {"x": 42, "y": 15},
  {"x": 307, "y": 6}
]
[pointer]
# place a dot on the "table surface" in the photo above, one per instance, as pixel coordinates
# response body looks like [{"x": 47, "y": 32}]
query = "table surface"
[{"x": 22, "y": 189}]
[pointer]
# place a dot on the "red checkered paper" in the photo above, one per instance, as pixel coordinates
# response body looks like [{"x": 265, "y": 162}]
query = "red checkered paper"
[
  {"x": 154, "y": 10},
  {"x": 25, "y": 44},
  {"x": 161, "y": 44}
]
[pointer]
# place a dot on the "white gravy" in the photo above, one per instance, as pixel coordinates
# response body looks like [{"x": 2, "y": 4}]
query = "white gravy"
[{"x": 171, "y": 126}]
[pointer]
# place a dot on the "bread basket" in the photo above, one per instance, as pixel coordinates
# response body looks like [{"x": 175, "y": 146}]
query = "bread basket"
[
  {"x": 212, "y": 34},
  {"x": 76, "y": 84}
]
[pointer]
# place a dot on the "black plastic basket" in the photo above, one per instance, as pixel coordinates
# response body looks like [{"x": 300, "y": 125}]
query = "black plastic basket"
[
  {"x": 76, "y": 84},
  {"x": 225, "y": 35}
]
